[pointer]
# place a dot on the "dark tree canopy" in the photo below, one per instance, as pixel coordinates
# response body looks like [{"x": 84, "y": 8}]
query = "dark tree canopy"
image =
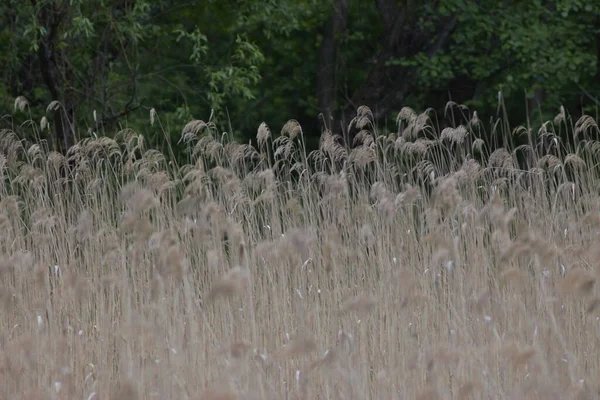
[{"x": 94, "y": 66}]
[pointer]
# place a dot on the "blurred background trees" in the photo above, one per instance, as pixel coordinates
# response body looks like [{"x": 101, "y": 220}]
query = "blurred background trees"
[{"x": 95, "y": 66}]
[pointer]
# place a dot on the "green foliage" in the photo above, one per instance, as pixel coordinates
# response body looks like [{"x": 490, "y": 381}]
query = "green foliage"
[{"x": 242, "y": 62}]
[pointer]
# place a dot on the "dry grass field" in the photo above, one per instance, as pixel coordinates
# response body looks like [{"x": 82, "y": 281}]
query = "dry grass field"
[{"x": 417, "y": 265}]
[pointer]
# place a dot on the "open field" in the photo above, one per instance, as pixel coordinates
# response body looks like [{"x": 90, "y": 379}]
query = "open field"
[{"x": 418, "y": 265}]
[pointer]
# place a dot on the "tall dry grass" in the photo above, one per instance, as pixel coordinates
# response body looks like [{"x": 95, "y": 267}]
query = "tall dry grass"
[{"x": 422, "y": 264}]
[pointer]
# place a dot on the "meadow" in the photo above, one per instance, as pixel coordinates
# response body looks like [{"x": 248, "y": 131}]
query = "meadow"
[{"x": 423, "y": 263}]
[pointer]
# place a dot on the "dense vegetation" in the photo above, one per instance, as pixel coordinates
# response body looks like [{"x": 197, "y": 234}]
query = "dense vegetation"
[
  {"x": 238, "y": 63},
  {"x": 227, "y": 199},
  {"x": 401, "y": 269}
]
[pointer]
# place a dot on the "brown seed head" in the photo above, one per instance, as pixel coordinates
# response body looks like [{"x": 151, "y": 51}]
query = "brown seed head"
[{"x": 236, "y": 280}]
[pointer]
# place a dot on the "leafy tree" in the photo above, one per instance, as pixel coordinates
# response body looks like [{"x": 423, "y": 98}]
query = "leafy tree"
[
  {"x": 101, "y": 65},
  {"x": 429, "y": 52}
]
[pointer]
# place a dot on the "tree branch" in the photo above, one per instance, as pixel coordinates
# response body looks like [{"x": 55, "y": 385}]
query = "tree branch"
[{"x": 387, "y": 86}]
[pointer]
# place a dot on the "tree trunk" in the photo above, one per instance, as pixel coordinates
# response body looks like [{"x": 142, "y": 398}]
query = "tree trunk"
[
  {"x": 50, "y": 17},
  {"x": 326, "y": 74},
  {"x": 387, "y": 86},
  {"x": 597, "y": 26}
]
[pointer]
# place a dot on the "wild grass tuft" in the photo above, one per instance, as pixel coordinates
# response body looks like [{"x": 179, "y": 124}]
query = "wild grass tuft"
[{"x": 423, "y": 263}]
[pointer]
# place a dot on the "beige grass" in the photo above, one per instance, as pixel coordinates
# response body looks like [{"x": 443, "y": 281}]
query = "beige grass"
[{"x": 401, "y": 269}]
